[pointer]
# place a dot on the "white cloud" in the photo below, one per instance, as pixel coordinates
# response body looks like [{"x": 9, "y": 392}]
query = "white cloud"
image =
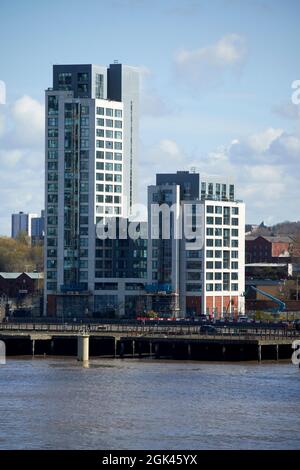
[
  {"x": 264, "y": 166},
  {"x": 205, "y": 65},
  {"x": 21, "y": 160}
]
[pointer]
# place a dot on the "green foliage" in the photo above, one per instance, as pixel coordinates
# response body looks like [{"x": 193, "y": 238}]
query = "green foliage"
[{"x": 18, "y": 256}]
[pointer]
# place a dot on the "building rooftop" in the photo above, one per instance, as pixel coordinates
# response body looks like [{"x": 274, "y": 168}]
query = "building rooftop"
[
  {"x": 279, "y": 238},
  {"x": 16, "y": 275}
]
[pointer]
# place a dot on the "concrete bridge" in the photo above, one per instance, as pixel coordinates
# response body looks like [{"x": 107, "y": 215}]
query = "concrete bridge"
[{"x": 161, "y": 341}]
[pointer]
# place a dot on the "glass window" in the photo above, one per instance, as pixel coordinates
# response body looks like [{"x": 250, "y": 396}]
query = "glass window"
[
  {"x": 118, "y": 135},
  {"x": 99, "y": 176},
  {"x": 108, "y": 144},
  {"x": 118, "y": 145},
  {"x": 99, "y": 154},
  {"x": 118, "y": 113},
  {"x": 118, "y": 167},
  {"x": 218, "y": 209},
  {"x": 109, "y": 166},
  {"x": 109, "y": 155},
  {"x": 100, "y": 132},
  {"x": 210, "y": 209},
  {"x": 99, "y": 89},
  {"x": 118, "y": 124},
  {"x": 109, "y": 112},
  {"x": 100, "y": 122},
  {"x": 100, "y": 111},
  {"x": 118, "y": 156},
  {"x": 118, "y": 178},
  {"x": 99, "y": 165},
  {"x": 82, "y": 77},
  {"x": 100, "y": 143},
  {"x": 109, "y": 134},
  {"x": 109, "y": 123}
]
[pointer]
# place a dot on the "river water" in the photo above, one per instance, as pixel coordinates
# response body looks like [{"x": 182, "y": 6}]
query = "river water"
[{"x": 55, "y": 403}]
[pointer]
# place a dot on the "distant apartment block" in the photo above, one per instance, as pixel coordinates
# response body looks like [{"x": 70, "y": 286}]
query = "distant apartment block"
[{"x": 21, "y": 222}]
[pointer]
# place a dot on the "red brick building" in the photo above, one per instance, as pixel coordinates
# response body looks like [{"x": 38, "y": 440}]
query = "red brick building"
[{"x": 262, "y": 249}]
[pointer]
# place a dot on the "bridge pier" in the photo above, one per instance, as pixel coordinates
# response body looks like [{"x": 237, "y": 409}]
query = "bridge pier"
[
  {"x": 277, "y": 352},
  {"x": 259, "y": 353},
  {"x": 83, "y": 348},
  {"x": 133, "y": 348},
  {"x": 189, "y": 350},
  {"x": 33, "y": 347}
]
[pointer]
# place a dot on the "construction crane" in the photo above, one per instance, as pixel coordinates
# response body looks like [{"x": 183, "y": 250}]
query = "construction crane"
[{"x": 281, "y": 305}]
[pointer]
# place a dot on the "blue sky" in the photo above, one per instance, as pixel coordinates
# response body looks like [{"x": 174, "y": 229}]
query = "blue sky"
[{"x": 216, "y": 90}]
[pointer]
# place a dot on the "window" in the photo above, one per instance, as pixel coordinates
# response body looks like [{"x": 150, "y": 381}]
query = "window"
[
  {"x": 109, "y": 112},
  {"x": 118, "y": 156},
  {"x": 118, "y": 135},
  {"x": 100, "y": 111},
  {"x": 209, "y": 287},
  {"x": 64, "y": 78},
  {"x": 234, "y": 254},
  {"x": 109, "y": 123},
  {"x": 234, "y": 287},
  {"x": 218, "y": 276},
  {"x": 209, "y": 242},
  {"x": 118, "y": 189},
  {"x": 118, "y": 167},
  {"x": 218, "y": 287},
  {"x": 99, "y": 188},
  {"x": 118, "y": 124},
  {"x": 210, "y": 209},
  {"x": 99, "y": 86},
  {"x": 99, "y": 166},
  {"x": 118, "y": 145},
  {"x": 100, "y": 122},
  {"x": 99, "y": 154},
  {"x": 52, "y": 122},
  {"x": 108, "y": 144},
  {"x": 109, "y": 134},
  {"x": 234, "y": 221},
  {"x": 218, "y": 220},
  {"x": 218, "y": 209},
  {"x": 209, "y": 276},
  {"x": 234, "y": 276},
  {"x": 83, "y": 88},
  {"x": 108, "y": 177},
  {"x": 209, "y": 232},
  {"x": 234, "y": 243},
  {"x": 100, "y": 132},
  {"x": 209, "y": 254},
  {"x": 218, "y": 265},
  {"x": 209, "y": 265},
  {"x": 109, "y": 166},
  {"x": 100, "y": 143},
  {"x": 235, "y": 210},
  {"x": 235, "y": 232},
  {"x": 52, "y": 154},
  {"x": 218, "y": 232},
  {"x": 209, "y": 220},
  {"x": 99, "y": 176},
  {"x": 82, "y": 77},
  {"x": 118, "y": 113},
  {"x": 118, "y": 178},
  {"x": 218, "y": 242}
]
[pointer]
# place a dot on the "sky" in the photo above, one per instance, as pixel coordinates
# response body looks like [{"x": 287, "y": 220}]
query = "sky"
[{"x": 216, "y": 91}]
